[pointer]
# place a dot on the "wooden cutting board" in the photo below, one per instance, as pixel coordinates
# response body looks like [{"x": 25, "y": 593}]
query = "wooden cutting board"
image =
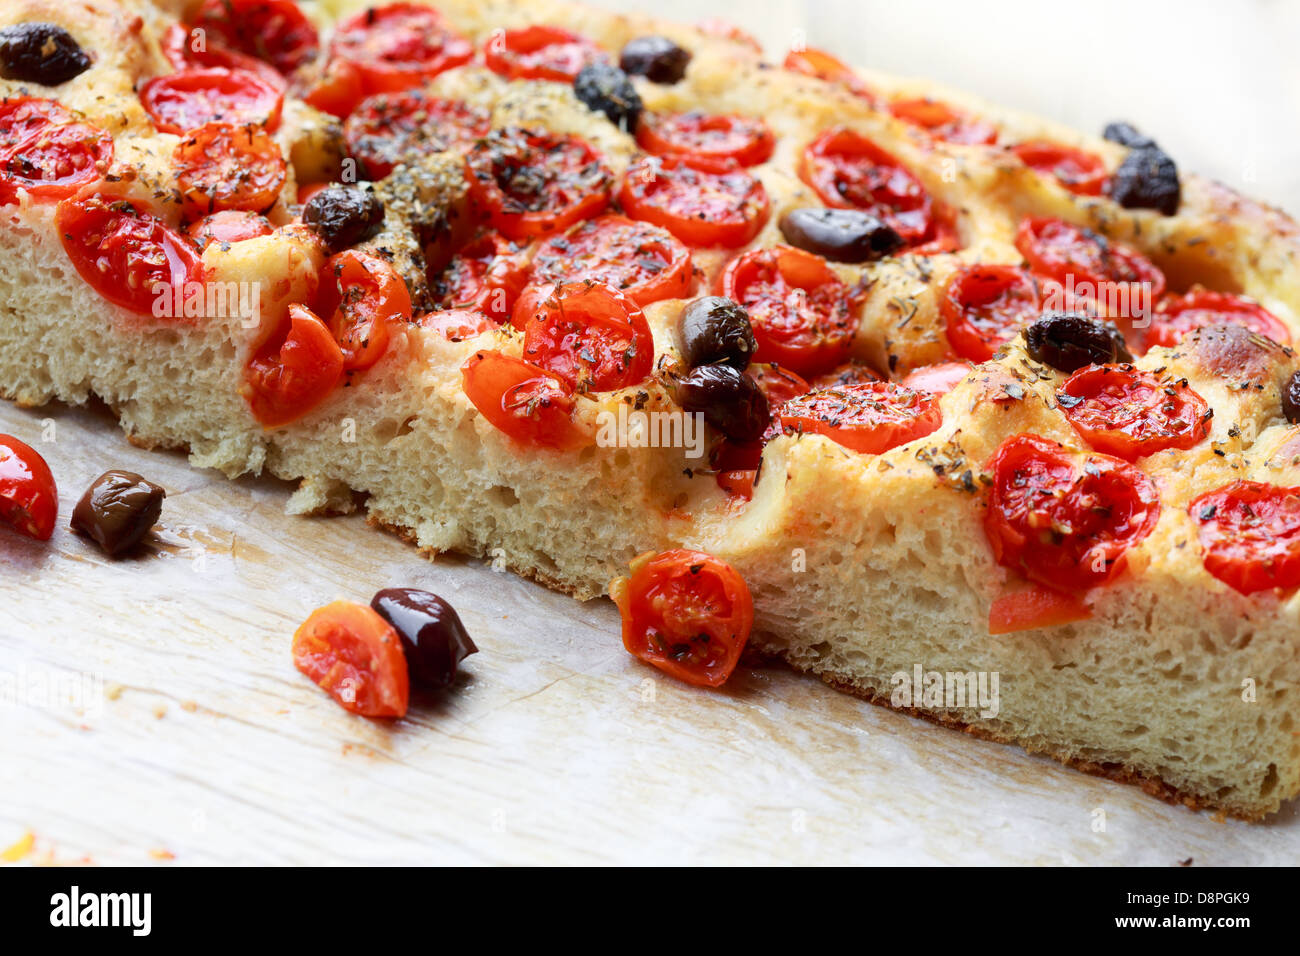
[{"x": 149, "y": 711}]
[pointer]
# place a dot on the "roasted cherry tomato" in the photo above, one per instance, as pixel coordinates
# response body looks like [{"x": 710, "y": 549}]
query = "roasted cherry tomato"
[
  {"x": 223, "y": 166},
  {"x": 487, "y": 274},
  {"x": 1062, "y": 519},
  {"x": 356, "y": 657},
  {"x": 943, "y": 122},
  {"x": 29, "y": 501},
  {"x": 986, "y": 306},
  {"x": 527, "y": 403},
  {"x": 456, "y": 325},
  {"x": 399, "y": 46},
  {"x": 184, "y": 50},
  {"x": 1250, "y": 535},
  {"x": 128, "y": 257},
  {"x": 592, "y": 337},
  {"x": 801, "y": 312},
  {"x": 335, "y": 87},
  {"x": 1035, "y": 607},
  {"x": 638, "y": 259},
  {"x": 276, "y": 31},
  {"x": 1180, "y": 315},
  {"x": 938, "y": 379},
  {"x": 822, "y": 65},
  {"x": 23, "y": 116},
  {"x": 287, "y": 377},
  {"x": 361, "y": 298},
  {"x": 54, "y": 160},
  {"x": 1129, "y": 413},
  {"x": 528, "y": 182},
  {"x": 179, "y": 102},
  {"x": 850, "y": 373},
  {"x": 848, "y": 171},
  {"x": 687, "y": 613},
  {"x": 867, "y": 417},
  {"x": 1077, "y": 170},
  {"x": 230, "y": 225},
  {"x": 392, "y": 128},
  {"x": 699, "y": 207},
  {"x": 714, "y": 141},
  {"x": 541, "y": 53}
]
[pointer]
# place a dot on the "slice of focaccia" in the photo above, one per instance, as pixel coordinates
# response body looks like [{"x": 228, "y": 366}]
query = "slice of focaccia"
[{"x": 997, "y": 423}]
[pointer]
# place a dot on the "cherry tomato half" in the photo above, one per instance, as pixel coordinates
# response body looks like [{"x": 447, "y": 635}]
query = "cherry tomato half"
[
  {"x": 943, "y": 122},
  {"x": 1180, "y": 315},
  {"x": 335, "y": 87},
  {"x": 702, "y": 138},
  {"x": 455, "y": 325},
  {"x": 699, "y": 207},
  {"x": 1077, "y": 170},
  {"x": 824, "y": 66},
  {"x": 592, "y": 337},
  {"x": 362, "y": 298},
  {"x": 938, "y": 379},
  {"x": 540, "y": 53},
  {"x": 275, "y": 31},
  {"x": 190, "y": 48},
  {"x": 986, "y": 306},
  {"x": 399, "y": 46},
  {"x": 1129, "y": 413},
  {"x": 54, "y": 161},
  {"x": 29, "y": 500},
  {"x": 641, "y": 260},
  {"x": 527, "y": 403},
  {"x": 230, "y": 225},
  {"x": 222, "y": 166},
  {"x": 288, "y": 377},
  {"x": 1062, "y": 519},
  {"x": 487, "y": 274},
  {"x": 182, "y": 101},
  {"x": 866, "y": 417},
  {"x": 392, "y": 128},
  {"x": 356, "y": 657},
  {"x": 1250, "y": 535},
  {"x": 23, "y": 116},
  {"x": 687, "y": 613}
]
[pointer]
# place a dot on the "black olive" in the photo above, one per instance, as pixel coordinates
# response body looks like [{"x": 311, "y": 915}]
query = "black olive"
[
  {"x": 1291, "y": 398},
  {"x": 841, "y": 235},
  {"x": 40, "y": 53},
  {"x": 728, "y": 399},
  {"x": 716, "y": 329},
  {"x": 433, "y": 637},
  {"x": 1147, "y": 179},
  {"x": 117, "y": 510},
  {"x": 658, "y": 59},
  {"x": 1126, "y": 134},
  {"x": 344, "y": 215},
  {"x": 1068, "y": 341},
  {"x": 607, "y": 89}
]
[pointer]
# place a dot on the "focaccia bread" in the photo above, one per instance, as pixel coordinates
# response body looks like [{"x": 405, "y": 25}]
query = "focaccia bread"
[{"x": 941, "y": 501}]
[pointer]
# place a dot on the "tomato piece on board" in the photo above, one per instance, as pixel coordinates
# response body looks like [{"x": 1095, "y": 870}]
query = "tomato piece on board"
[
  {"x": 867, "y": 417},
  {"x": 336, "y": 88},
  {"x": 191, "y": 48},
  {"x": 1179, "y": 315},
  {"x": 230, "y": 225},
  {"x": 360, "y": 300},
  {"x": 540, "y": 53},
  {"x": 288, "y": 377},
  {"x": 938, "y": 379},
  {"x": 1250, "y": 535},
  {"x": 687, "y": 613},
  {"x": 824, "y": 66},
  {"x": 801, "y": 312},
  {"x": 704, "y": 138},
  {"x": 129, "y": 257},
  {"x": 700, "y": 207},
  {"x": 356, "y": 657},
  {"x": 1064, "y": 519},
  {"x": 1129, "y": 413},
  {"x": 986, "y": 306},
  {"x": 849, "y": 171},
  {"x": 392, "y": 128},
  {"x": 945, "y": 123},
  {"x": 275, "y": 31},
  {"x": 223, "y": 166},
  {"x": 179, "y": 102},
  {"x": 528, "y": 182},
  {"x": 639, "y": 259},
  {"x": 527, "y": 403},
  {"x": 399, "y": 46},
  {"x": 487, "y": 274},
  {"x": 592, "y": 337},
  {"x": 54, "y": 161},
  {"x": 1077, "y": 170},
  {"x": 29, "y": 500},
  {"x": 455, "y": 325},
  {"x": 1035, "y": 607}
]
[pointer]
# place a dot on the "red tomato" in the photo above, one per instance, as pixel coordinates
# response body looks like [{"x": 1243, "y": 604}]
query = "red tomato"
[
  {"x": 540, "y": 53},
  {"x": 338, "y": 88},
  {"x": 182, "y": 101},
  {"x": 851, "y": 373},
  {"x": 356, "y": 657},
  {"x": 943, "y": 122},
  {"x": 868, "y": 417},
  {"x": 307, "y": 190},
  {"x": 1130, "y": 413},
  {"x": 699, "y": 207},
  {"x": 128, "y": 257},
  {"x": 1035, "y": 607},
  {"x": 590, "y": 336},
  {"x": 456, "y": 325},
  {"x": 848, "y": 171},
  {"x": 1250, "y": 534},
  {"x": 778, "y": 384},
  {"x": 1062, "y": 519},
  {"x": 1180, "y": 315},
  {"x": 529, "y": 182},
  {"x": 392, "y": 128},
  {"x": 276, "y": 31},
  {"x": 29, "y": 500},
  {"x": 53, "y": 161},
  {"x": 687, "y": 613},
  {"x": 802, "y": 314},
  {"x": 230, "y": 225},
  {"x": 1077, "y": 170},
  {"x": 488, "y": 274},
  {"x": 939, "y": 379},
  {"x": 527, "y": 403},
  {"x": 288, "y": 377},
  {"x": 223, "y": 166},
  {"x": 399, "y": 46},
  {"x": 738, "y": 483},
  {"x": 23, "y": 116},
  {"x": 184, "y": 50},
  {"x": 719, "y": 141},
  {"x": 641, "y": 260},
  {"x": 822, "y": 65},
  {"x": 986, "y": 306},
  {"x": 365, "y": 298}
]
